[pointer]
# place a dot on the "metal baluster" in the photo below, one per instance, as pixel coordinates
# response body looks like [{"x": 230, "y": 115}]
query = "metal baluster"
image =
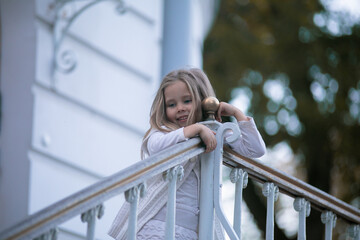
[
  {"x": 217, "y": 174},
  {"x": 303, "y": 207},
  {"x": 90, "y": 217},
  {"x": 172, "y": 175},
  {"x": 240, "y": 178},
  {"x": 50, "y": 235},
  {"x": 329, "y": 219},
  {"x": 354, "y": 232},
  {"x": 206, "y": 217},
  {"x": 271, "y": 192},
  {"x": 132, "y": 196}
]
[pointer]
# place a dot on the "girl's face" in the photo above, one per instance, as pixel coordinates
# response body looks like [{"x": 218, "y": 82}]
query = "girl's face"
[{"x": 178, "y": 103}]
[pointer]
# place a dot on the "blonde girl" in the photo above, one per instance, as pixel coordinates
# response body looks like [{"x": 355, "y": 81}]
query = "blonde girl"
[{"x": 173, "y": 118}]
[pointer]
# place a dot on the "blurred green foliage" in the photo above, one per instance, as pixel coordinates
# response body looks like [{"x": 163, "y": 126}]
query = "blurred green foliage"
[{"x": 299, "y": 65}]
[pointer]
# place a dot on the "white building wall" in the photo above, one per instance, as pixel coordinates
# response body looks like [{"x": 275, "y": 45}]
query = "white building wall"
[
  {"x": 79, "y": 127},
  {"x": 89, "y": 123}
]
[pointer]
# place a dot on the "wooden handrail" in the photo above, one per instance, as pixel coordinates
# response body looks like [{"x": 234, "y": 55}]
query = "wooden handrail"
[
  {"x": 77, "y": 203},
  {"x": 292, "y": 186}
]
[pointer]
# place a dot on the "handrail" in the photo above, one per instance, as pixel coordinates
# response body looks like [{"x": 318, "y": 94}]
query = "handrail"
[
  {"x": 128, "y": 178},
  {"x": 292, "y": 186},
  {"x": 79, "y": 202}
]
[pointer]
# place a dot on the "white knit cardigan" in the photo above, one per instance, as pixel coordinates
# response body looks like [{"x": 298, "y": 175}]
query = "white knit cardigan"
[{"x": 252, "y": 145}]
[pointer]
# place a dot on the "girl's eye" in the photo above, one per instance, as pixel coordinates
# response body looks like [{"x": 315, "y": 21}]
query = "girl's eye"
[
  {"x": 188, "y": 101},
  {"x": 171, "y": 105}
]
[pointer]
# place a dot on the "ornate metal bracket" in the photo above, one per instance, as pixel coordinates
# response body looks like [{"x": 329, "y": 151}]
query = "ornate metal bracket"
[
  {"x": 50, "y": 235},
  {"x": 89, "y": 217},
  {"x": 300, "y": 204},
  {"x": 133, "y": 193},
  {"x": 175, "y": 172},
  {"x": 269, "y": 189},
  {"x": 97, "y": 211},
  {"x": 329, "y": 219},
  {"x": 64, "y": 60},
  {"x": 239, "y": 175}
]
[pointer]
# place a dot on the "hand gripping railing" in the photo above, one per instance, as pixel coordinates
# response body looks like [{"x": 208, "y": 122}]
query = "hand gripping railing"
[{"x": 130, "y": 180}]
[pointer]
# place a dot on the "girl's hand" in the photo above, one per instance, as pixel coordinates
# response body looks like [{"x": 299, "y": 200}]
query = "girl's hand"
[
  {"x": 208, "y": 137},
  {"x": 226, "y": 109},
  {"x": 205, "y": 133}
]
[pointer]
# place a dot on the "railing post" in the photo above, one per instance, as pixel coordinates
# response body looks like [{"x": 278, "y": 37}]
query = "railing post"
[
  {"x": 132, "y": 196},
  {"x": 329, "y": 219},
  {"x": 50, "y": 235},
  {"x": 303, "y": 207},
  {"x": 220, "y": 134},
  {"x": 90, "y": 217},
  {"x": 172, "y": 175},
  {"x": 206, "y": 206},
  {"x": 240, "y": 178},
  {"x": 271, "y": 192},
  {"x": 206, "y": 218},
  {"x": 354, "y": 232}
]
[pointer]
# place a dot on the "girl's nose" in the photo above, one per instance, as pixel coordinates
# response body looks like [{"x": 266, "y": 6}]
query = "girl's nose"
[{"x": 181, "y": 107}]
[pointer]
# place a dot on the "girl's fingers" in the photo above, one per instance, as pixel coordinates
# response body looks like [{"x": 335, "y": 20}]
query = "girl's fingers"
[{"x": 219, "y": 115}]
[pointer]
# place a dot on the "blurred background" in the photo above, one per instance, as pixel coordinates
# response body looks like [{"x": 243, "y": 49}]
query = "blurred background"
[
  {"x": 78, "y": 78},
  {"x": 295, "y": 67}
]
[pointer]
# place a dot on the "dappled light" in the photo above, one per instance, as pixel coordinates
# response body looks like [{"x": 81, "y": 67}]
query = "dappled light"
[
  {"x": 241, "y": 98},
  {"x": 339, "y": 17},
  {"x": 354, "y": 104},
  {"x": 294, "y": 67},
  {"x": 323, "y": 89}
]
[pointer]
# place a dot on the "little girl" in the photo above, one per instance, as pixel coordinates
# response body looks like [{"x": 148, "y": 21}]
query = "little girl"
[{"x": 173, "y": 118}]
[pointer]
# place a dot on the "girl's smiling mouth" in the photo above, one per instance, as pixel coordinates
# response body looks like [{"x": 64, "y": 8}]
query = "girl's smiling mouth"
[{"x": 182, "y": 118}]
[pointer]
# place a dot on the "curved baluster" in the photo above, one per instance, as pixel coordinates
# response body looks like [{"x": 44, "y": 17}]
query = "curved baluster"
[{"x": 217, "y": 173}]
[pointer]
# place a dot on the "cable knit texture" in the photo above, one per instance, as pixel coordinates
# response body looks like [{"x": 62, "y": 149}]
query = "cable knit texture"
[
  {"x": 155, "y": 229},
  {"x": 250, "y": 144}
]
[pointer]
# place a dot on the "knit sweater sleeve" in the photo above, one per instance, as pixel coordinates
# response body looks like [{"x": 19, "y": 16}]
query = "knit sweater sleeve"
[
  {"x": 158, "y": 141},
  {"x": 250, "y": 143}
]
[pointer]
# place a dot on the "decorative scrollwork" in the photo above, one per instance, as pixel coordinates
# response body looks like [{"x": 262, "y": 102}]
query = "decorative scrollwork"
[
  {"x": 65, "y": 61},
  {"x": 327, "y": 217},
  {"x": 269, "y": 188},
  {"x": 133, "y": 193},
  {"x": 175, "y": 172},
  {"x": 121, "y": 7},
  {"x": 220, "y": 137},
  {"x": 50, "y": 235},
  {"x": 300, "y": 204},
  {"x": 97, "y": 211},
  {"x": 237, "y": 174}
]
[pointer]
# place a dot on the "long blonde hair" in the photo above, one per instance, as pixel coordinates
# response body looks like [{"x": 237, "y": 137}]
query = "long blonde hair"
[{"x": 199, "y": 87}]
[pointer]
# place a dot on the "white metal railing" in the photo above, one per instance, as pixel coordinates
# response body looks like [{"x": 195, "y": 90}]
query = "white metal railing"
[{"x": 88, "y": 202}]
